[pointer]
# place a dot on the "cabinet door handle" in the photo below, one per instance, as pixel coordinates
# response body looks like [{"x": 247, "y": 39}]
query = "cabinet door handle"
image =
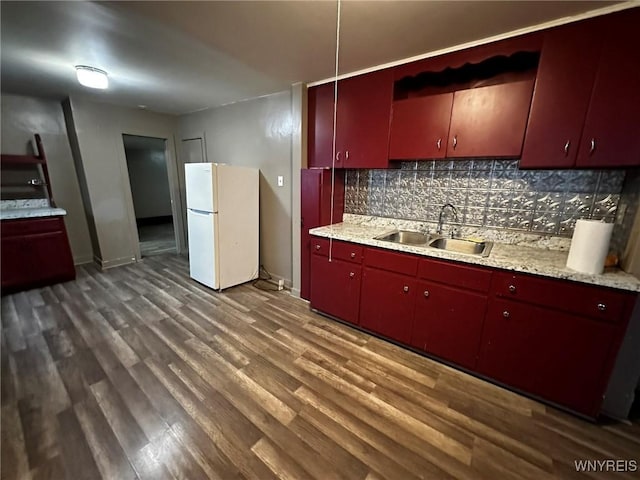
[
  {"x": 602, "y": 307},
  {"x": 353, "y": 254},
  {"x": 506, "y": 314},
  {"x": 317, "y": 247},
  {"x": 337, "y": 156},
  {"x": 512, "y": 288},
  {"x": 405, "y": 289},
  {"x": 426, "y": 293},
  {"x": 351, "y": 275},
  {"x": 346, "y": 155},
  {"x": 439, "y": 143},
  {"x": 455, "y": 141},
  {"x": 566, "y": 147},
  {"x": 593, "y": 146}
]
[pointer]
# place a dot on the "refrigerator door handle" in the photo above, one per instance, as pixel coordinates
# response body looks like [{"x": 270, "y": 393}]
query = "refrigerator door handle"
[{"x": 200, "y": 212}]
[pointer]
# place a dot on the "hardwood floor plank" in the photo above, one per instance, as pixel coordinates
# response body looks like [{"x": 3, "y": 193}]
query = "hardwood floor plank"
[
  {"x": 109, "y": 455},
  {"x": 14, "y": 463},
  {"x": 40, "y": 431},
  {"x": 78, "y": 459}
]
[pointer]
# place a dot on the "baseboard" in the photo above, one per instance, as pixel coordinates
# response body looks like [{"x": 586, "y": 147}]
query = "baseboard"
[
  {"x": 116, "y": 262},
  {"x": 83, "y": 259}
]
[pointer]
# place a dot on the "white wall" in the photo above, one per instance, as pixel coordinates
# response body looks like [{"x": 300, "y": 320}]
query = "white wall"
[
  {"x": 21, "y": 118},
  {"x": 147, "y": 169},
  {"x": 99, "y": 128},
  {"x": 257, "y": 133}
]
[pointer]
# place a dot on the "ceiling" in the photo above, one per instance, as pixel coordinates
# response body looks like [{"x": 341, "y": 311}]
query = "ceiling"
[{"x": 179, "y": 57}]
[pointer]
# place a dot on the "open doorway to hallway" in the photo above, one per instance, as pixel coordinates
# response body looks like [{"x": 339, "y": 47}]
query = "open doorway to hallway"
[{"x": 149, "y": 179}]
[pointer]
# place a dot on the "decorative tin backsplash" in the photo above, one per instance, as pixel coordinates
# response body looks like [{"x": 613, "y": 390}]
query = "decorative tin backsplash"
[{"x": 487, "y": 193}]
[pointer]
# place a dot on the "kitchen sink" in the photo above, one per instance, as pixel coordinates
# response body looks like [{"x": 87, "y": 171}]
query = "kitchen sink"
[
  {"x": 408, "y": 237},
  {"x": 461, "y": 245}
]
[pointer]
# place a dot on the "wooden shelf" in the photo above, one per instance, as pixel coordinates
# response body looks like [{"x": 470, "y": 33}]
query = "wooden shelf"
[{"x": 21, "y": 160}]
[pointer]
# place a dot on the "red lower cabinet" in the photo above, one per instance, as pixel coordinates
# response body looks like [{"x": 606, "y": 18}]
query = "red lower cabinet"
[
  {"x": 448, "y": 323},
  {"x": 554, "y": 355},
  {"x": 335, "y": 287},
  {"x": 386, "y": 305},
  {"x": 35, "y": 252}
]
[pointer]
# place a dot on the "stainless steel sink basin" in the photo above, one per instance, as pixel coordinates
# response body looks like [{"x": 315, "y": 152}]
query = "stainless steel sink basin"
[
  {"x": 460, "y": 245},
  {"x": 408, "y": 237}
]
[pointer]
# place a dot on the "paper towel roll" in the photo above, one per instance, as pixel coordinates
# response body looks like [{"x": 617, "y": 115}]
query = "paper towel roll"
[{"x": 589, "y": 246}]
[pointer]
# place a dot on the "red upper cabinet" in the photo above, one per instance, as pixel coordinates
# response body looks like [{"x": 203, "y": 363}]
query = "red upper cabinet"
[
  {"x": 564, "y": 82},
  {"x": 611, "y": 135},
  {"x": 362, "y": 122},
  {"x": 320, "y": 125},
  {"x": 490, "y": 121},
  {"x": 420, "y": 127},
  {"x": 584, "y": 111}
]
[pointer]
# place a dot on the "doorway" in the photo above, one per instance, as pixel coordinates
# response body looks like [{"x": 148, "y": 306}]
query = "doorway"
[{"x": 149, "y": 181}]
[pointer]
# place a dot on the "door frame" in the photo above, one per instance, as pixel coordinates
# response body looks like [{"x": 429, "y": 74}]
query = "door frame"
[
  {"x": 176, "y": 205},
  {"x": 201, "y": 135}
]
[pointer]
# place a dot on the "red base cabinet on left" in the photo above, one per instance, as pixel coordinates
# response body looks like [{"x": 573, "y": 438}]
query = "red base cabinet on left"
[
  {"x": 335, "y": 284},
  {"x": 35, "y": 252}
]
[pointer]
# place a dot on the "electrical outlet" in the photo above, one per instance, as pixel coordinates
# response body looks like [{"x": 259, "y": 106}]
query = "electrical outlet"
[
  {"x": 280, "y": 181},
  {"x": 280, "y": 284}
]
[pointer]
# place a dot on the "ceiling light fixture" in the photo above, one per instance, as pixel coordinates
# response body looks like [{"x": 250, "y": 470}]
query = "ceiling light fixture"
[{"x": 92, "y": 77}]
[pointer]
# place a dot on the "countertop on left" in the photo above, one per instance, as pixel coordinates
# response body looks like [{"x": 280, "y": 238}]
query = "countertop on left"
[{"x": 28, "y": 208}]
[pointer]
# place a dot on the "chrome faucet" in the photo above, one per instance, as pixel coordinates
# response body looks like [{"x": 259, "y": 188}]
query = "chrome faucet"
[{"x": 441, "y": 217}]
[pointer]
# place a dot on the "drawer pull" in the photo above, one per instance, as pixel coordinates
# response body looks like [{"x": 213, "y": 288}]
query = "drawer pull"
[
  {"x": 426, "y": 293},
  {"x": 506, "y": 314},
  {"x": 512, "y": 288},
  {"x": 351, "y": 275},
  {"x": 439, "y": 143},
  {"x": 353, "y": 254},
  {"x": 317, "y": 247},
  {"x": 602, "y": 307},
  {"x": 405, "y": 289}
]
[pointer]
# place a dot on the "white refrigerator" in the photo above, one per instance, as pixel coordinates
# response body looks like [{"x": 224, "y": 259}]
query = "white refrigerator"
[{"x": 222, "y": 223}]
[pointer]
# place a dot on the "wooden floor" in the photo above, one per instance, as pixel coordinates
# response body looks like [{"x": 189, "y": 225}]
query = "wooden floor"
[
  {"x": 156, "y": 239},
  {"x": 138, "y": 372}
]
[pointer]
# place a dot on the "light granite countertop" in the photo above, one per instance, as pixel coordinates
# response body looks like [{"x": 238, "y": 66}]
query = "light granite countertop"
[
  {"x": 513, "y": 257},
  {"x": 28, "y": 208}
]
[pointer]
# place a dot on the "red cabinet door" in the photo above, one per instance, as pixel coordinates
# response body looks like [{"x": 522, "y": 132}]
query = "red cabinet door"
[
  {"x": 316, "y": 197},
  {"x": 51, "y": 258},
  {"x": 448, "y": 322},
  {"x": 363, "y": 115},
  {"x": 563, "y": 86},
  {"x": 387, "y": 303},
  {"x": 572, "y": 353},
  {"x": 16, "y": 261},
  {"x": 420, "y": 127},
  {"x": 611, "y": 134},
  {"x": 507, "y": 353},
  {"x": 320, "y": 125},
  {"x": 490, "y": 121},
  {"x": 558, "y": 356},
  {"x": 335, "y": 287}
]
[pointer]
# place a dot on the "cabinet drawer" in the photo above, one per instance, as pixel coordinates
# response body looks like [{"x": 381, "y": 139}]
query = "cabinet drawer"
[
  {"x": 596, "y": 302},
  {"x": 463, "y": 276},
  {"x": 391, "y": 261},
  {"x": 340, "y": 250},
  {"x": 28, "y": 226}
]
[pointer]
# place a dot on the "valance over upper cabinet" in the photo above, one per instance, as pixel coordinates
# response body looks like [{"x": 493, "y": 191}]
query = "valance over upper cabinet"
[
  {"x": 473, "y": 103},
  {"x": 586, "y": 106}
]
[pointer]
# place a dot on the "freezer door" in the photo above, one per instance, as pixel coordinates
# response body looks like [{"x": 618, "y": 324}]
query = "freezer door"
[
  {"x": 203, "y": 261},
  {"x": 199, "y": 182}
]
